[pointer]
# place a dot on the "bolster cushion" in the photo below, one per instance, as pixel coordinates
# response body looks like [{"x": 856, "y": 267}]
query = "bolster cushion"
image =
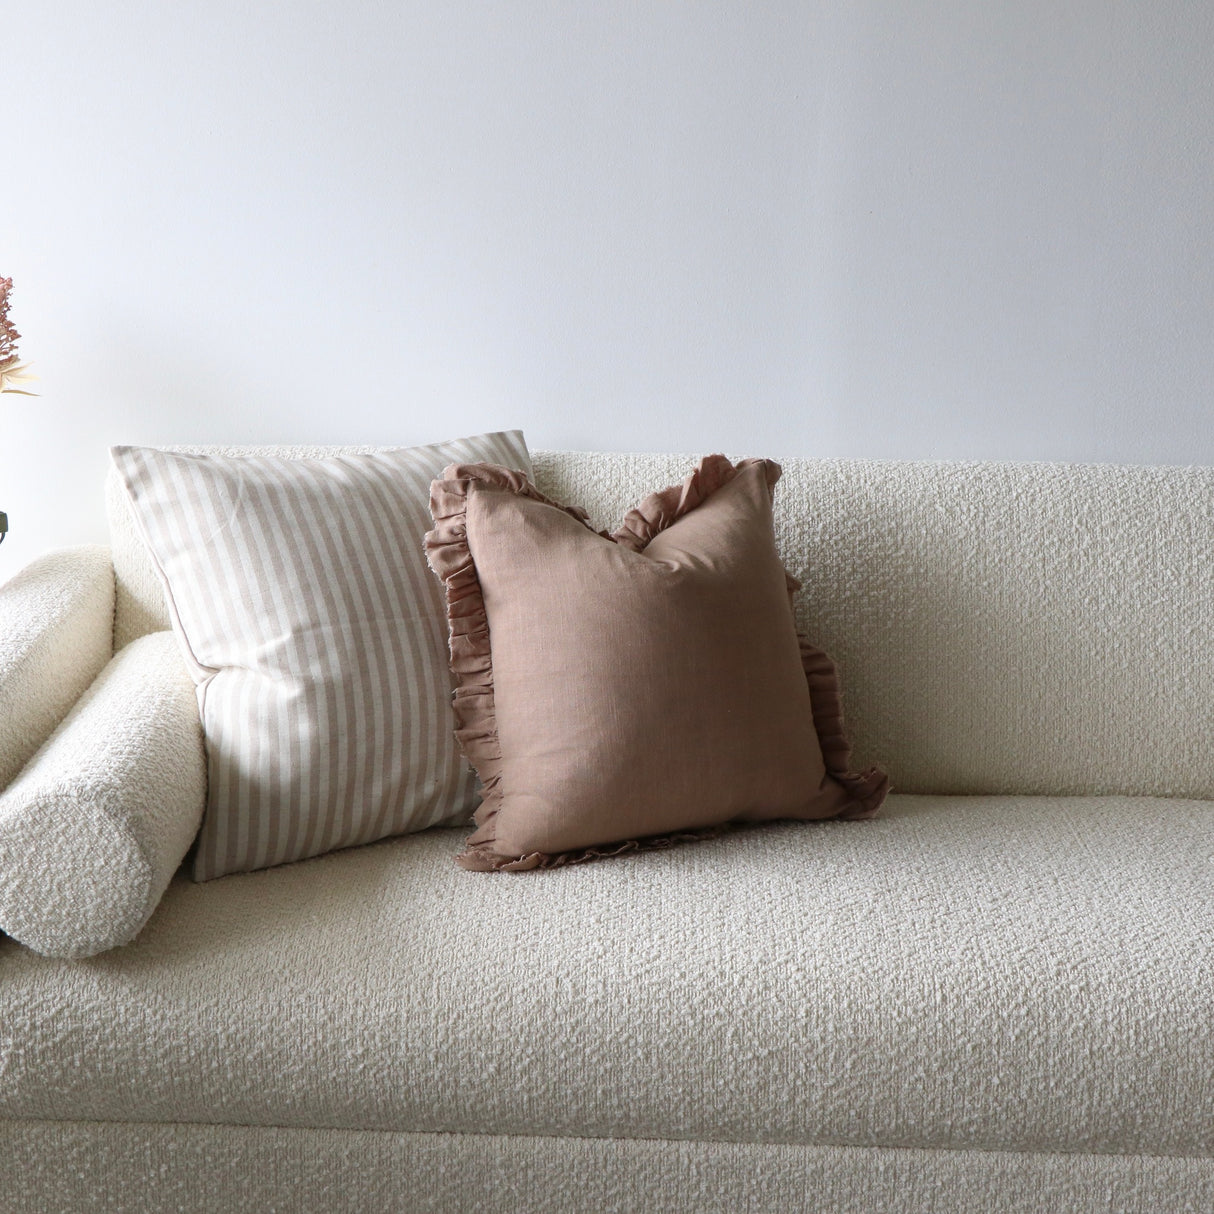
[
  {"x": 95, "y": 826},
  {"x": 56, "y": 633}
]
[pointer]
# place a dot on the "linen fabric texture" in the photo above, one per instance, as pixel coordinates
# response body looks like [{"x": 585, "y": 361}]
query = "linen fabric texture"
[
  {"x": 629, "y": 690},
  {"x": 316, "y": 638}
]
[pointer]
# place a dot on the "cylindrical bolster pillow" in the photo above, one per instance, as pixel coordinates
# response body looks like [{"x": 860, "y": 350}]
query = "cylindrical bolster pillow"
[
  {"x": 95, "y": 826},
  {"x": 56, "y": 633}
]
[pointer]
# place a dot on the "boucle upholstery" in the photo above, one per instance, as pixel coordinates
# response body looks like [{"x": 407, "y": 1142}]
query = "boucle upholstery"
[
  {"x": 995, "y": 1003},
  {"x": 1017, "y": 974},
  {"x": 56, "y": 620},
  {"x": 133, "y": 1168},
  {"x": 97, "y": 823},
  {"x": 999, "y": 627}
]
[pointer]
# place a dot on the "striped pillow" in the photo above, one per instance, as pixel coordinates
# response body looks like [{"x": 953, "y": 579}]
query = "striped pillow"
[{"x": 317, "y": 639}]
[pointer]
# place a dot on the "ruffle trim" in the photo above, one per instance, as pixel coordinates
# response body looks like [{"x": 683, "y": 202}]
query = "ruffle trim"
[
  {"x": 471, "y": 654},
  {"x": 481, "y": 858},
  {"x": 868, "y": 788},
  {"x": 470, "y": 650},
  {"x": 663, "y": 509}
]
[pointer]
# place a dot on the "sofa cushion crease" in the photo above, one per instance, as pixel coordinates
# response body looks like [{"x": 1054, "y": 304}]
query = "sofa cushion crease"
[
  {"x": 287, "y": 1128},
  {"x": 156, "y": 1167}
]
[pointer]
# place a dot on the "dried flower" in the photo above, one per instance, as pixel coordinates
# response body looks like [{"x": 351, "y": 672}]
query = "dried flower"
[
  {"x": 8, "y": 331},
  {"x": 12, "y": 372}
]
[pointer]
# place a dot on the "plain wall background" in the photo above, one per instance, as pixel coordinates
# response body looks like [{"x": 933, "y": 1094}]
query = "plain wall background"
[{"x": 942, "y": 229}]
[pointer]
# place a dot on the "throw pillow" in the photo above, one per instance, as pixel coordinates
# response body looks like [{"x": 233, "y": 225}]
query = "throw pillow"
[
  {"x": 316, "y": 638},
  {"x": 624, "y": 691}
]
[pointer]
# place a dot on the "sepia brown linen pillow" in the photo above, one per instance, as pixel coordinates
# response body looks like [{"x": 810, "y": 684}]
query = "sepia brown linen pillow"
[{"x": 621, "y": 692}]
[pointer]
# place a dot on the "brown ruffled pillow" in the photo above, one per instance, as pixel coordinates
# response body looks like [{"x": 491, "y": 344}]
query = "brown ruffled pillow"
[{"x": 626, "y": 691}]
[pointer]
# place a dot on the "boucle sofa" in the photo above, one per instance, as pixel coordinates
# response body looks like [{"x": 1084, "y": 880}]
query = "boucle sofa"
[{"x": 998, "y": 995}]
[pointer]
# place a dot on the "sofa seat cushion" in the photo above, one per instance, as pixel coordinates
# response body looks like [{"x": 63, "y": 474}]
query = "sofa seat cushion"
[{"x": 1029, "y": 974}]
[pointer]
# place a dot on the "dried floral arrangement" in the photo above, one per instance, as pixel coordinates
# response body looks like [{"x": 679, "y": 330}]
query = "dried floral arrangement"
[{"x": 13, "y": 372}]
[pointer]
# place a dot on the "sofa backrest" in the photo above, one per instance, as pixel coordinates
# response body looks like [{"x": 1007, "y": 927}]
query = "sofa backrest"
[{"x": 1000, "y": 628}]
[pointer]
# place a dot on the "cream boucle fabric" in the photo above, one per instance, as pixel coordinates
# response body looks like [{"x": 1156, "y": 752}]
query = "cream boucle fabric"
[
  {"x": 971, "y": 1003},
  {"x": 122, "y": 1168},
  {"x": 999, "y": 627},
  {"x": 97, "y": 823},
  {"x": 997, "y": 974},
  {"x": 56, "y": 622}
]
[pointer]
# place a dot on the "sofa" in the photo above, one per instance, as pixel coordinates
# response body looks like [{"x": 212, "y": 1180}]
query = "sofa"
[{"x": 996, "y": 995}]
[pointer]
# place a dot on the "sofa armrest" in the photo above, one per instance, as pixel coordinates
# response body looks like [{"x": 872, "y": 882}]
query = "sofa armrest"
[
  {"x": 94, "y": 827},
  {"x": 56, "y": 633}
]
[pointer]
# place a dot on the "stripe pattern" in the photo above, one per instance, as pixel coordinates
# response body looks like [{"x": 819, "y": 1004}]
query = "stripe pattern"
[{"x": 316, "y": 636}]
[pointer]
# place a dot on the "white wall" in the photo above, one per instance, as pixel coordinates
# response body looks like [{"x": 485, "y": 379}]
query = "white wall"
[{"x": 937, "y": 229}]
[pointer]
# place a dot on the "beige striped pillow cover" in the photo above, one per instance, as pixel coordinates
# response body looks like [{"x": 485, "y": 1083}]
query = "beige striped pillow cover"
[{"x": 317, "y": 639}]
